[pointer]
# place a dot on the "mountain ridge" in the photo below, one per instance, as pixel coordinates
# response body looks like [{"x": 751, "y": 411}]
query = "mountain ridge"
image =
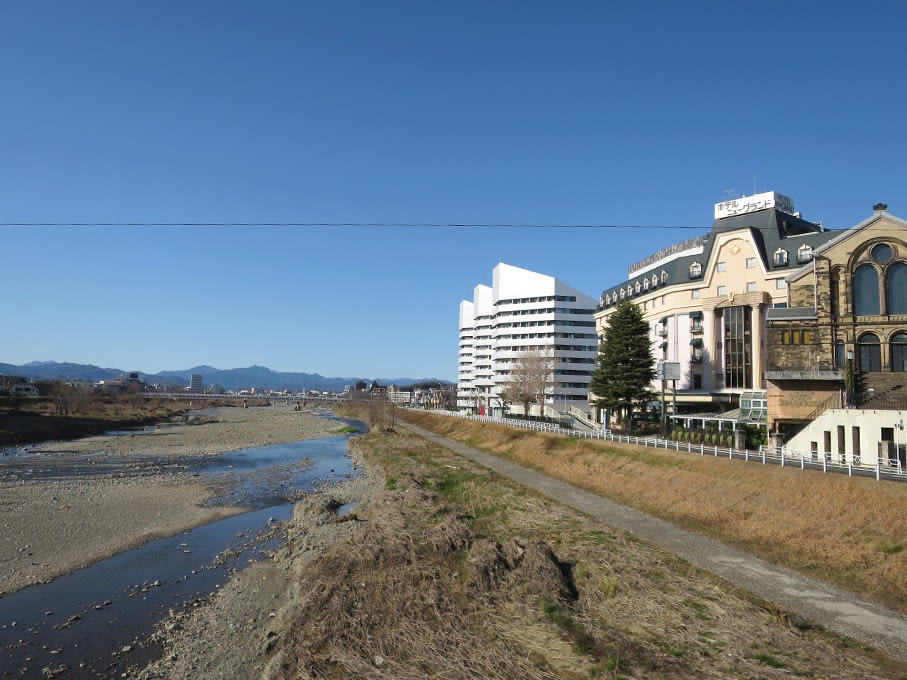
[{"x": 230, "y": 379}]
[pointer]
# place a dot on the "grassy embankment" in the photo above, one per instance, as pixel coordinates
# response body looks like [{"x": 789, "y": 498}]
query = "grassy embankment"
[
  {"x": 39, "y": 420},
  {"x": 847, "y": 531},
  {"x": 459, "y": 573}
]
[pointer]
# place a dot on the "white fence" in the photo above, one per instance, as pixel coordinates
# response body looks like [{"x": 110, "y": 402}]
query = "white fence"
[{"x": 880, "y": 468}]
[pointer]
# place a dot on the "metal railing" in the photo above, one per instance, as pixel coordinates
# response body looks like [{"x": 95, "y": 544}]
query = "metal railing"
[{"x": 881, "y": 468}]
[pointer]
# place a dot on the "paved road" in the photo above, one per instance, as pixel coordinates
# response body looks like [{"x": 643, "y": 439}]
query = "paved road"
[{"x": 836, "y": 610}]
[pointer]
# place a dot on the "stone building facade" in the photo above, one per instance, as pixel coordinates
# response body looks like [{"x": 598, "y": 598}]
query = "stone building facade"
[{"x": 842, "y": 339}]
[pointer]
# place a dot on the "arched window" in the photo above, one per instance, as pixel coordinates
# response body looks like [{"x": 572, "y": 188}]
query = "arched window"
[
  {"x": 870, "y": 353},
  {"x": 899, "y": 352},
  {"x": 804, "y": 253},
  {"x": 865, "y": 290},
  {"x": 896, "y": 288},
  {"x": 623, "y": 293},
  {"x": 638, "y": 287},
  {"x": 664, "y": 276},
  {"x": 696, "y": 270},
  {"x": 645, "y": 284},
  {"x": 780, "y": 257}
]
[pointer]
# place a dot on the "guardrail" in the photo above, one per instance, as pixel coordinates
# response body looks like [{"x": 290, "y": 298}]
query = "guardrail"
[
  {"x": 880, "y": 468},
  {"x": 582, "y": 417}
]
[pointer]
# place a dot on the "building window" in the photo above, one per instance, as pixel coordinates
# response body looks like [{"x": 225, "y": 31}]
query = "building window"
[
  {"x": 780, "y": 257},
  {"x": 751, "y": 263},
  {"x": 722, "y": 290},
  {"x": 780, "y": 284},
  {"x": 870, "y": 353},
  {"x": 797, "y": 337},
  {"x": 865, "y": 290},
  {"x": 694, "y": 294},
  {"x": 839, "y": 354},
  {"x": 638, "y": 287},
  {"x": 895, "y": 288},
  {"x": 882, "y": 253},
  {"x": 696, "y": 270},
  {"x": 623, "y": 293},
  {"x": 899, "y": 352},
  {"x": 804, "y": 253},
  {"x": 737, "y": 347},
  {"x": 751, "y": 287},
  {"x": 654, "y": 280},
  {"x": 664, "y": 277},
  {"x": 645, "y": 284},
  {"x": 721, "y": 267}
]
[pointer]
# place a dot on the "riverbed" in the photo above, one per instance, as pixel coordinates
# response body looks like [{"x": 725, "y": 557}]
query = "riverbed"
[{"x": 94, "y": 621}]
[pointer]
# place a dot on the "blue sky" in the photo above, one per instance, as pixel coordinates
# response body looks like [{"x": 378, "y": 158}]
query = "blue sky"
[{"x": 424, "y": 113}]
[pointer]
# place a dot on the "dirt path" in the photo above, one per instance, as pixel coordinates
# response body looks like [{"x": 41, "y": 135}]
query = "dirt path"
[{"x": 836, "y": 610}]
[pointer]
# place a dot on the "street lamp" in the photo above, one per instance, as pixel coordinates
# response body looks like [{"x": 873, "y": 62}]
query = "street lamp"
[{"x": 898, "y": 426}]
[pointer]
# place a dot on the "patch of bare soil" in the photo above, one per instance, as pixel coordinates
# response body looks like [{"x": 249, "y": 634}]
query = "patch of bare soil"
[{"x": 447, "y": 570}]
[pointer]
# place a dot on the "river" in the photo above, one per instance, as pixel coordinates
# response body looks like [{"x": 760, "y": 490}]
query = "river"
[{"x": 95, "y": 622}]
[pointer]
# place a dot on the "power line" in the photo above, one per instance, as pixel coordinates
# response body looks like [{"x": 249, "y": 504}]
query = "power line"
[{"x": 341, "y": 225}]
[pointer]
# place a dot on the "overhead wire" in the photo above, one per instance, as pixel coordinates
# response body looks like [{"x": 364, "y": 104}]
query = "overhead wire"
[{"x": 372, "y": 225}]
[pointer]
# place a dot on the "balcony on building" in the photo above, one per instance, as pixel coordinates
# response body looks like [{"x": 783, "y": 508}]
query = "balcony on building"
[
  {"x": 663, "y": 327},
  {"x": 695, "y": 322}
]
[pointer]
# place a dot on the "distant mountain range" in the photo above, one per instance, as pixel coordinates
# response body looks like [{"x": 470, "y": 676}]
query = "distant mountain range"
[{"x": 231, "y": 379}]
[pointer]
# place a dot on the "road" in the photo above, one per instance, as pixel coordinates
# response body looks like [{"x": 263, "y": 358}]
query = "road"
[{"x": 820, "y": 603}]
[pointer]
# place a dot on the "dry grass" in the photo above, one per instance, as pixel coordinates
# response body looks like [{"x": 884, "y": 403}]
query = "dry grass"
[
  {"x": 458, "y": 573},
  {"x": 38, "y": 420},
  {"x": 847, "y": 531}
]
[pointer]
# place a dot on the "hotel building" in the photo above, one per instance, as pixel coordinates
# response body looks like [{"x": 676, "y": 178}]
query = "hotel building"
[
  {"x": 706, "y": 299},
  {"x": 524, "y": 313}
]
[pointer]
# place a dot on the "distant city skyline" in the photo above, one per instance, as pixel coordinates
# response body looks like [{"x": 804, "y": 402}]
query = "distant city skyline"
[{"x": 384, "y": 158}]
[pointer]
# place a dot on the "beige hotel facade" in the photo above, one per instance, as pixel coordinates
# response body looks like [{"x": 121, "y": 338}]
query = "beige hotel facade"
[{"x": 706, "y": 299}]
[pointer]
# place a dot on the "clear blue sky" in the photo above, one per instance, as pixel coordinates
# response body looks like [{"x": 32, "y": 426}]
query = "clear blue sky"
[{"x": 368, "y": 112}]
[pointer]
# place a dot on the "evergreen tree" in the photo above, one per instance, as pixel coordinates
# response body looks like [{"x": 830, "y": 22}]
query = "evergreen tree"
[{"x": 626, "y": 366}]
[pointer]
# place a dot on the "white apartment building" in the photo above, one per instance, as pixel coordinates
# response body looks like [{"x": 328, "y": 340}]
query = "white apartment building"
[{"x": 522, "y": 312}]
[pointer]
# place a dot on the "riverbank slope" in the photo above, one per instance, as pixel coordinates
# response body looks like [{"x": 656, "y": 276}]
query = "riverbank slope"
[{"x": 447, "y": 569}]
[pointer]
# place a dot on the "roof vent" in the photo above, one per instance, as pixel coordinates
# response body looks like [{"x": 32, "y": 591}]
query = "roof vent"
[{"x": 880, "y": 206}]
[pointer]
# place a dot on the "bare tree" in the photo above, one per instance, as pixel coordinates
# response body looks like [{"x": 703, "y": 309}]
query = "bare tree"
[
  {"x": 531, "y": 378},
  {"x": 67, "y": 399}
]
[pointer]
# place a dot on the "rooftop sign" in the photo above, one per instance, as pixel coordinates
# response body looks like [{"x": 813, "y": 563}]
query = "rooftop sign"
[{"x": 748, "y": 204}]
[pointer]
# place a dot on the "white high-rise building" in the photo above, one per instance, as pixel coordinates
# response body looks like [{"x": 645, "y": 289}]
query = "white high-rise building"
[{"x": 524, "y": 312}]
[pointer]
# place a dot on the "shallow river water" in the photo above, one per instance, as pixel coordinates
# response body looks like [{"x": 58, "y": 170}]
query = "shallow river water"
[{"x": 94, "y": 623}]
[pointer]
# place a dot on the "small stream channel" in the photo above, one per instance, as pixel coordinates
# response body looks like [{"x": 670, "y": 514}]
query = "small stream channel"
[{"x": 95, "y": 622}]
